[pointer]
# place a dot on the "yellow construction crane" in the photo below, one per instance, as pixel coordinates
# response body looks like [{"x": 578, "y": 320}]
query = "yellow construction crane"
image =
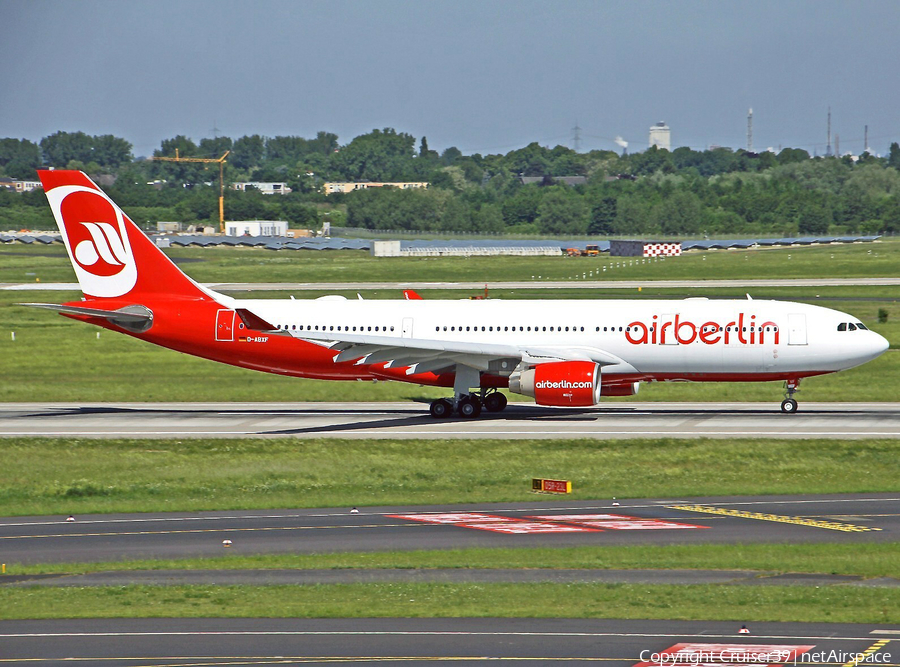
[{"x": 221, "y": 161}]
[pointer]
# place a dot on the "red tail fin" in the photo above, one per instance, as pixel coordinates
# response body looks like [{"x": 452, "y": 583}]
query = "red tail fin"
[{"x": 111, "y": 255}]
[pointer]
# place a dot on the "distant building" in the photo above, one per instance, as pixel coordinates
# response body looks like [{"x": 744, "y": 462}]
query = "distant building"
[
  {"x": 661, "y": 136},
  {"x": 331, "y": 188},
  {"x": 256, "y": 228},
  {"x": 19, "y": 186},
  {"x": 167, "y": 227},
  {"x": 619, "y": 248},
  {"x": 266, "y": 187},
  {"x": 566, "y": 180}
]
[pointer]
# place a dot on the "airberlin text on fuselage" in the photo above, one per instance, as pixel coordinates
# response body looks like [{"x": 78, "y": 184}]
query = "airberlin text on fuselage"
[{"x": 743, "y": 330}]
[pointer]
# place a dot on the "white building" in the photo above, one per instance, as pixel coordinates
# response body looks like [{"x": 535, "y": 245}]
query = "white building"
[
  {"x": 256, "y": 228},
  {"x": 266, "y": 187},
  {"x": 347, "y": 186},
  {"x": 20, "y": 186},
  {"x": 660, "y": 136}
]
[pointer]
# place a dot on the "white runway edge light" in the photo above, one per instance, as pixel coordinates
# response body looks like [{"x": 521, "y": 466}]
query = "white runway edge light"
[{"x": 226, "y": 543}]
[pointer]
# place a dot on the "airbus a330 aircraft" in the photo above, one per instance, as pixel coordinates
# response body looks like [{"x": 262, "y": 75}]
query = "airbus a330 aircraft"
[{"x": 561, "y": 353}]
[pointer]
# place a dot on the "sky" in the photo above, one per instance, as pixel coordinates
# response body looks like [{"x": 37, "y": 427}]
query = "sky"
[{"x": 486, "y": 76}]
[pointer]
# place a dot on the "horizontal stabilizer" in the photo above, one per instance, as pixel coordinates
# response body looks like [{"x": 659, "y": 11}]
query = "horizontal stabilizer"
[{"x": 133, "y": 318}]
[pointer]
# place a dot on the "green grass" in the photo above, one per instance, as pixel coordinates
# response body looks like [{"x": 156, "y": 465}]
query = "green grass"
[
  {"x": 59, "y": 476},
  {"x": 54, "y": 358},
  {"x": 21, "y": 263},
  {"x": 862, "y": 559},
  {"x": 736, "y": 603}
]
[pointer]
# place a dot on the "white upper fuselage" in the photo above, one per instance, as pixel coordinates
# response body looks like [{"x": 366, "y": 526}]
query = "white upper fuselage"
[{"x": 713, "y": 337}]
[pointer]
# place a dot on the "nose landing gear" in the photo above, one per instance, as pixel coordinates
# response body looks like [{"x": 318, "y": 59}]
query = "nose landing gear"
[{"x": 789, "y": 404}]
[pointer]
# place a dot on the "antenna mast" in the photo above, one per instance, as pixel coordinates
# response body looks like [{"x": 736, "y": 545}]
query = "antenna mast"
[{"x": 828, "y": 145}]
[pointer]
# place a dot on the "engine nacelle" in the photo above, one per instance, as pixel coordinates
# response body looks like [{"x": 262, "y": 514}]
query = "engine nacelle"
[
  {"x": 560, "y": 383},
  {"x": 629, "y": 389}
]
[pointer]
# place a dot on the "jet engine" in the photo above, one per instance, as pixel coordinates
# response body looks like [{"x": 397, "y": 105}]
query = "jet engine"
[
  {"x": 560, "y": 383},
  {"x": 629, "y": 389}
]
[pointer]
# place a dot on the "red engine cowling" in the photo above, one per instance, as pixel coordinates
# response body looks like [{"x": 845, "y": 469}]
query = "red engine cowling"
[
  {"x": 560, "y": 383},
  {"x": 629, "y": 389}
]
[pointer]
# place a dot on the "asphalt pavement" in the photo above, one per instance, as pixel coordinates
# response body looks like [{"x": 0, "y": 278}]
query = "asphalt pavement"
[
  {"x": 843, "y": 518},
  {"x": 415, "y": 642},
  {"x": 411, "y": 420}
]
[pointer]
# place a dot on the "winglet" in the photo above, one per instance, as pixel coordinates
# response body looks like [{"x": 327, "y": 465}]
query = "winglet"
[{"x": 411, "y": 295}]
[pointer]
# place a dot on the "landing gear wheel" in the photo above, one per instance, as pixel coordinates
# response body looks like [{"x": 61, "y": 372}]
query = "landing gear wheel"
[
  {"x": 441, "y": 408},
  {"x": 789, "y": 406},
  {"x": 494, "y": 402},
  {"x": 469, "y": 407}
]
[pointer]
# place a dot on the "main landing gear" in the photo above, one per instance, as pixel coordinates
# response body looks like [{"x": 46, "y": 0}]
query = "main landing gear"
[
  {"x": 469, "y": 406},
  {"x": 789, "y": 404}
]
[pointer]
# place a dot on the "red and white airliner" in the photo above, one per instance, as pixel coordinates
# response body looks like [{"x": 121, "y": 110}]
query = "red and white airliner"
[{"x": 560, "y": 352}]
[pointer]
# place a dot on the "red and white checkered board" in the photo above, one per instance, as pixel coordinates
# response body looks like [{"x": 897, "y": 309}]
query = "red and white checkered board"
[{"x": 662, "y": 249}]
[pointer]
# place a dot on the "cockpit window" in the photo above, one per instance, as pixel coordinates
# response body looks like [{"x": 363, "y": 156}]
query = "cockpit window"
[
  {"x": 842, "y": 326},
  {"x": 851, "y": 327},
  {"x": 860, "y": 325}
]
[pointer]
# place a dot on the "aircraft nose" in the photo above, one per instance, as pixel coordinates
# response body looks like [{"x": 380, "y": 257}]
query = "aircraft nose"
[{"x": 880, "y": 343}]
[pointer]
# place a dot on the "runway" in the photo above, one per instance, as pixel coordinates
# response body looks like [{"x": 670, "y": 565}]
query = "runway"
[
  {"x": 510, "y": 285},
  {"x": 411, "y": 420},
  {"x": 845, "y": 518},
  {"x": 616, "y": 643}
]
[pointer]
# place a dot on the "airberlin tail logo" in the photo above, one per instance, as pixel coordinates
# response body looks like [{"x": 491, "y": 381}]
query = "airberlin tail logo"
[
  {"x": 104, "y": 252},
  {"x": 96, "y": 238}
]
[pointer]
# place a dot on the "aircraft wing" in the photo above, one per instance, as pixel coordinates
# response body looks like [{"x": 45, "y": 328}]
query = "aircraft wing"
[{"x": 423, "y": 355}]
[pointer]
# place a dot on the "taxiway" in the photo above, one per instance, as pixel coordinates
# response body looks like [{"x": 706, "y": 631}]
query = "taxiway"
[
  {"x": 845, "y": 518},
  {"x": 616, "y": 643}
]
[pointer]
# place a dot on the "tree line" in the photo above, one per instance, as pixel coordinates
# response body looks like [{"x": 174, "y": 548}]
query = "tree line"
[{"x": 654, "y": 192}]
